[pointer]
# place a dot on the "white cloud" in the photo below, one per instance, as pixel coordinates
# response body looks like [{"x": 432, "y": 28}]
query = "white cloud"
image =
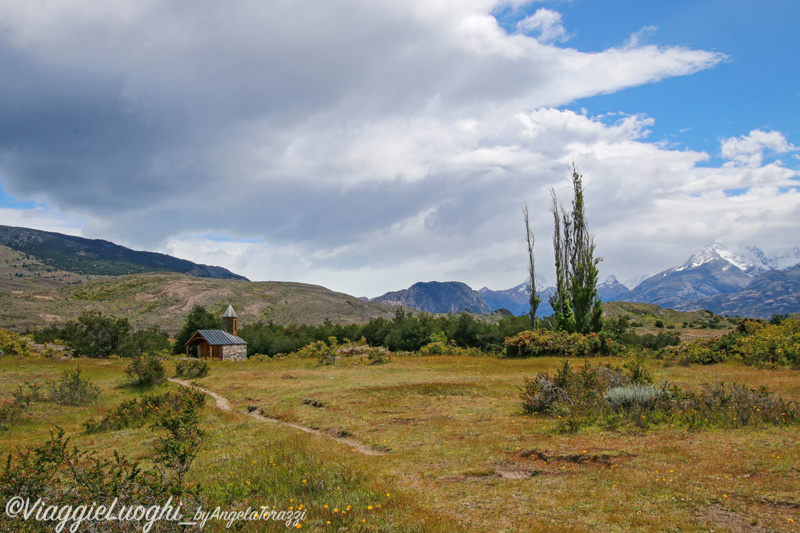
[
  {"x": 547, "y": 23},
  {"x": 637, "y": 37},
  {"x": 370, "y": 144},
  {"x": 748, "y": 150},
  {"x": 41, "y": 218}
]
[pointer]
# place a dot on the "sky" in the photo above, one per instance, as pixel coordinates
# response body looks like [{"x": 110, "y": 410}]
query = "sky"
[{"x": 365, "y": 145}]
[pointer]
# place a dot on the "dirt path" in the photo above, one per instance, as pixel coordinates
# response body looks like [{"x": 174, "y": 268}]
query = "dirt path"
[{"x": 225, "y": 405}]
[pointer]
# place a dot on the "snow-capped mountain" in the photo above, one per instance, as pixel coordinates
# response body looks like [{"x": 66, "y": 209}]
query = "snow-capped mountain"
[
  {"x": 749, "y": 260},
  {"x": 719, "y": 268},
  {"x": 611, "y": 290}
]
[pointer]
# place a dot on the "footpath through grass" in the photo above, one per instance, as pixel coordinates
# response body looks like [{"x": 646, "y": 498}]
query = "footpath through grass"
[{"x": 461, "y": 456}]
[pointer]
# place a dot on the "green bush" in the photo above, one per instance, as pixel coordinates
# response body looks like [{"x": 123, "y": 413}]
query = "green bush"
[
  {"x": 698, "y": 351},
  {"x": 609, "y": 396},
  {"x": 146, "y": 370},
  {"x": 14, "y": 344},
  {"x": 754, "y": 342},
  {"x": 64, "y": 475},
  {"x": 11, "y": 412},
  {"x": 328, "y": 353},
  {"x": 72, "y": 389},
  {"x": 769, "y": 344},
  {"x": 96, "y": 335},
  {"x": 137, "y": 412},
  {"x": 193, "y": 368},
  {"x": 545, "y": 343}
]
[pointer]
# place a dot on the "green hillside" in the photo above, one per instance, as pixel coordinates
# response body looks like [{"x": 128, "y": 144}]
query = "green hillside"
[
  {"x": 164, "y": 299},
  {"x": 97, "y": 257}
]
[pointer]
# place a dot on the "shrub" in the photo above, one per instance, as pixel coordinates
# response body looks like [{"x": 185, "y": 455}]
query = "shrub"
[
  {"x": 72, "y": 389},
  {"x": 770, "y": 344},
  {"x": 65, "y": 475},
  {"x": 137, "y": 412},
  {"x": 96, "y": 335},
  {"x": 324, "y": 353},
  {"x": 578, "y": 397},
  {"x": 542, "y": 395},
  {"x": 637, "y": 371},
  {"x": 372, "y": 355},
  {"x": 754, "y": 342},
  {"x": 11, "y": 412},
  {"x": 698, "y": 351},
  {"x": 450, "y": 348},
  {"x": 328, "y": 353},
  {"x": 14, "y": 344},
  {"x": 634, "y": 395},
  {"x": 543, "y": 343},
  {"x": 146, "y": 370},
  {"x": 718, "y": 404},
  {"x": 193, "y": 368}
]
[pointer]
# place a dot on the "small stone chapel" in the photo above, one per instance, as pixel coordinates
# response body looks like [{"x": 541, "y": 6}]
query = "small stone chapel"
[{"x": 220, "y": 343}]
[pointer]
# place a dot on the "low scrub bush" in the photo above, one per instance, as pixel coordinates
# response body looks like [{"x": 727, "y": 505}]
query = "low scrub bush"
[
  {"x": 327, "y": 353},
  {"x": 72, "y": 389},
  {"x": 146, "y": 370},
  {"x": 137, "y": 412},
  {"x": 560, "y": 392},
  {"x": 770, "y": 344},
  {"x": 449, "y": 348},
  {"x": 735, "y": 405},
  {"x": 545, "y": 343},
  {"x": 696, "y": 352},
  {"x": 63, "y": 475},
  {"x": 754, "y": 342},
  {"x": 634, "y": 396},
  {"x": 14, "y": 344},
  {"x": 193, "y": 368},
  {"x": 541, "y": 395},
  {"x": 11, "y": 412},
  {"x": 613, "y": 396}
]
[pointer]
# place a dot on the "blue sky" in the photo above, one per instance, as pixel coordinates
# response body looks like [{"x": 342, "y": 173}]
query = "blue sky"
[
  {"x": 365, "y": 145},
  {"x": 758, "y": 86}
]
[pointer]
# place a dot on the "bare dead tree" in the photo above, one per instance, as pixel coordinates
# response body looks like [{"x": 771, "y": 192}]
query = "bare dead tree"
[{"x": 535, "y": 299}]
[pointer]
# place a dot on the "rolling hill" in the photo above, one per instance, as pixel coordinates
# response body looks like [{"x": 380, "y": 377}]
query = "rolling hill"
[
  {"x": 164, "y": 299},
  {"x": 95, "y": 257}
]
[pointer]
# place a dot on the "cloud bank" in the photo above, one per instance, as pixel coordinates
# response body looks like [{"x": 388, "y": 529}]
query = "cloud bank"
[{"x": 363, "y": 145}]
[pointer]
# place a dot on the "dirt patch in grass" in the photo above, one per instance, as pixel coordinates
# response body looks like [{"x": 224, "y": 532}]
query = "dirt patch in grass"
[
  {"x": 429, "y": 389},
  {"x": 731, "y": 521},
  {"x": 607, "y": 459}
]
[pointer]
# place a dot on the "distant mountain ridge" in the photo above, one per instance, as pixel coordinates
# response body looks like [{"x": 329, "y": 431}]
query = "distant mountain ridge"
[
  {"x": 772, "y": 292},
  {"x": 723, "y": 278},
  {"x": 99, "y": 257},
  {"x": 437, "y": 297},
  {"x": 726, "y": 279}
]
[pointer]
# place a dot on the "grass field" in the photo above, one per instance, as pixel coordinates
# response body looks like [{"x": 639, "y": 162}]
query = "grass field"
[{"x": 460, "y": 455}]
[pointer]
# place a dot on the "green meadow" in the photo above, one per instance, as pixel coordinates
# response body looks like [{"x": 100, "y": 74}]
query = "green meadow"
[{"x": 449, "y": 447}]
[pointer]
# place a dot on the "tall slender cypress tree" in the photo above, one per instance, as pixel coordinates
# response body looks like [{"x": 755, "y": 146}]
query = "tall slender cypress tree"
[{"x": 575, "y": 303}]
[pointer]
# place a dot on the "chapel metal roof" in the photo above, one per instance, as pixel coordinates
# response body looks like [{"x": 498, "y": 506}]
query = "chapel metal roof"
[
  {"x": 230, "y": 312},
  {"x": 218, "y": 337}
]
